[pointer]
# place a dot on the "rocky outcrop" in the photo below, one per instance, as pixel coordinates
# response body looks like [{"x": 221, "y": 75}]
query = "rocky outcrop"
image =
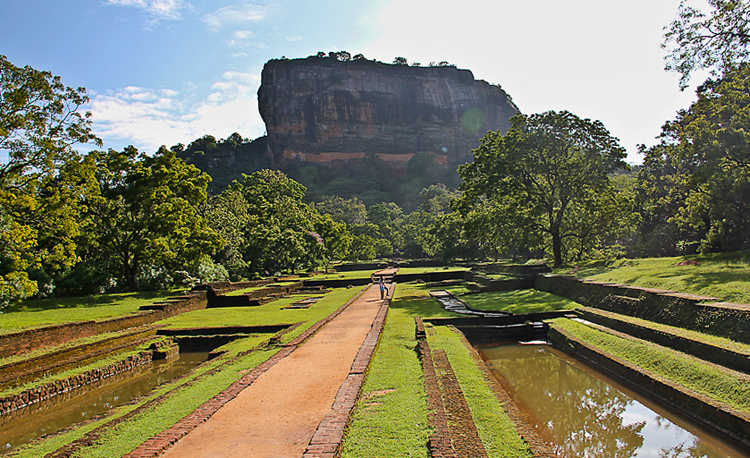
[{"x": 323, "y": 110}]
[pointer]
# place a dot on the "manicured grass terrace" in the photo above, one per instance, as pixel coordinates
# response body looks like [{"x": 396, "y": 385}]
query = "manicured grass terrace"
[
  {"x": 516, "y": 302},
  {"x": 722, "y": 275},
  {"x": 427, "y": 270},
  {"x": 390, "y": 418},
  {"x": 687, "y": 333},
  {"x": 726, "y": 386},
  {"x": 46, "y": 312},
  {"x": 183, "y": 398}
]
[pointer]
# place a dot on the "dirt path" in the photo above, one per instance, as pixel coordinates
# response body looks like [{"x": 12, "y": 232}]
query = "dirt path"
[{"x": 278, "y": 414}]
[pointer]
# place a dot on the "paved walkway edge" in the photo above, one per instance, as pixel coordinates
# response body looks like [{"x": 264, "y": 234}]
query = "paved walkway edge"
[
  {"x": 328, "y": 437},
  {"x": 165, "y": 439}
]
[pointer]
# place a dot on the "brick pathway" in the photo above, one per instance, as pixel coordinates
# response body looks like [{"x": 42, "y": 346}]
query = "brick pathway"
[{"x": 297, "y": 406}]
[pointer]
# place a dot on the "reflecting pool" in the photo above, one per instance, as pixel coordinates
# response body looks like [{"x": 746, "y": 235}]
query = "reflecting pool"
[
  {"x": 586, "y": 415},
  {"x": 83, "y": 403}
]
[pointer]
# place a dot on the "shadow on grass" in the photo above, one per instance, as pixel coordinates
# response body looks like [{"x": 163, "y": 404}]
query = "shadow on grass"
[
  {"x": 425, "y": 307},
  {"x": 518, "y": 302},
  {"x": 36, "y": 305}
]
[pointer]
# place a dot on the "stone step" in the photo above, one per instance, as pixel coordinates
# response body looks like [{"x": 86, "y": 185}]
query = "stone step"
[{"x": 732, "y": 355}]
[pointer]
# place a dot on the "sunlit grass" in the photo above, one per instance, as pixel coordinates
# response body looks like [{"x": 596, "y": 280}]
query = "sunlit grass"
[
  {"x": 496, "y": 430},
  {"x": 45, "y": 312},
  {"x": 348, "y": 275},
  {"x": 272, "y": 313},
  {"x": 725, "y": 276},
  {"x": 428, "y": 270},
  {"x": 516, "y": 302},
  {"x": 390, "y": 418},
  {"x": 721, "y": 384}
]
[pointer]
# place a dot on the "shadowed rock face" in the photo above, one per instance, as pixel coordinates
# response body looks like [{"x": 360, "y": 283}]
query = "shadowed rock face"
[{"x": 323, "y": 110}]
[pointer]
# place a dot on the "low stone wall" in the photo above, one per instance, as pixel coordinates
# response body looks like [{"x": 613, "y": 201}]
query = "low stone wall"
[
  {"x": 431, "y": 276},
  {"x": 698, "y": 313},
  {"x": 10, "y": 403},
  {"x": 31, "y": 339},
  {"x": 511, "y": 284},
  {"x": 252, "y": 298},
  {"x": 717, "y": 355},
  {"x": 21, "y": 342},
  {"x": 520, "y": 270},
  {"x": 728, "y": 422},
  {"x": 68, "y": 358},
  {"x": 362, "y": 266}
]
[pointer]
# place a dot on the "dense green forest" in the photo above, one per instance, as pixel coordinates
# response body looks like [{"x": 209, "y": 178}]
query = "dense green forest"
[{"x": 555, "y": 186}]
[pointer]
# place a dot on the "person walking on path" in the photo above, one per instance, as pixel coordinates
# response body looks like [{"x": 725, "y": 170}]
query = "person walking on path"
[{"x": 383, "y": 289}]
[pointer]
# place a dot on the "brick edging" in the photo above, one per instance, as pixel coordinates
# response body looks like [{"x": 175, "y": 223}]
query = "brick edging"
[
  {"x": 329, "y": 435},
  {"x": 165, "y": 439},
  {"x": 539, "y": 448},
  {"x": 439, "y": 443}
]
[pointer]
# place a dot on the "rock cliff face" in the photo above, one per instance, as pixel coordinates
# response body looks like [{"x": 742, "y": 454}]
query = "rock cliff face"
[{"x": 322, "y": 110}]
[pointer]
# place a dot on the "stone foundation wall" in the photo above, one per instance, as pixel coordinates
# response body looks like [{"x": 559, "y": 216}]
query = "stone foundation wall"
[
  {"x": 10, "y": 403},
  {"x": 698, "y": 313},
  {"x": 71, "y": 357},
  {"x": 20, "y": 342}
]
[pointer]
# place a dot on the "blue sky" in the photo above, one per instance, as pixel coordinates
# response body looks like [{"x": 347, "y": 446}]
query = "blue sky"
[{"x": 169, "y": 71}]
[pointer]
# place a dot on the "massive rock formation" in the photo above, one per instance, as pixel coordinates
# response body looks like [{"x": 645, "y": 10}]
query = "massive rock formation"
[{"x": 324, "y": 110}]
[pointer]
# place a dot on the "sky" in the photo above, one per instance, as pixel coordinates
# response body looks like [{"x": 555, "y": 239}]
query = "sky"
[{"x": 162, "y": 72}]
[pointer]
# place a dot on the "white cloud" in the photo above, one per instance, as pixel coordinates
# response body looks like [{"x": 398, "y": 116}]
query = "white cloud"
[
  {"x": 292, "y": 39},
  {"x": 157, "y": 9},
  {"x": 241, "y": 38},
  {"x": 234, "y": 15},
  {"x": 148, "y": 118}
]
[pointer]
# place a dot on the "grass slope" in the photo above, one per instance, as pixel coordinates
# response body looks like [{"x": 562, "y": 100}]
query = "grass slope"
[
  {"x": 516, "y": 302},
  {"x": 726, "y": 386},
  {"x": 390, "y": 418},
  {"x": 495, "y": 428},
  {"x": 45, "y": 312},
  {"x": 721, "y": 275}
]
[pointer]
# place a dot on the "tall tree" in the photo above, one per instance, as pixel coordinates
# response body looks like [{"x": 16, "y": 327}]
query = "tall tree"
[
  {"x": 280, "y": 233},
  {"x": 549, "y": 173},
  {"x": 42, "y": 176},
  {"x": 707, "y": 152},
  {"x": 147, "y": 215},
  {"x": 715, "y": 41}
]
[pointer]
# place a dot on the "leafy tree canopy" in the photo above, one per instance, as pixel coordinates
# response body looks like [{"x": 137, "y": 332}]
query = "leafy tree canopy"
[
  {"x": 147, "y": 214},
  {"x": 715, "y": 41},
  {"x": 705, "y": 163},
  {"x": 550, "y": 175},
  {"x": 42, "y": 178}
]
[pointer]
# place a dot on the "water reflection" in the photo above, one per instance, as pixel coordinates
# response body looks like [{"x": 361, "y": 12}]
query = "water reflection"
[
  {"x": 66, "y": 409},
  {"x": 586, "y": 416}
]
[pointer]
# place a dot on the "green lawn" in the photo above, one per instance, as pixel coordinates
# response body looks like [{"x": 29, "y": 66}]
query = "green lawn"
[
  {"x": 519, "y": 301},
  {"x": 427, "y": 270},
  {"x": 45, "y": 312},
  {"x": 496, "y": 430},
  {"x": 183, "y": 398},
  {"x": 390, "y": 418},
  {"x": 271, "y": 313},
  {"x": 725, "y": 276},
  {"x": 349, "y": 275}
]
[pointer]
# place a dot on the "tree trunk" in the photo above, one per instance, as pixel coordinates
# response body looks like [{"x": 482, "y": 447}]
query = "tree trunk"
[
  {"x": 557, "y": 247},
  {"x": 131, "y": 275}
]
